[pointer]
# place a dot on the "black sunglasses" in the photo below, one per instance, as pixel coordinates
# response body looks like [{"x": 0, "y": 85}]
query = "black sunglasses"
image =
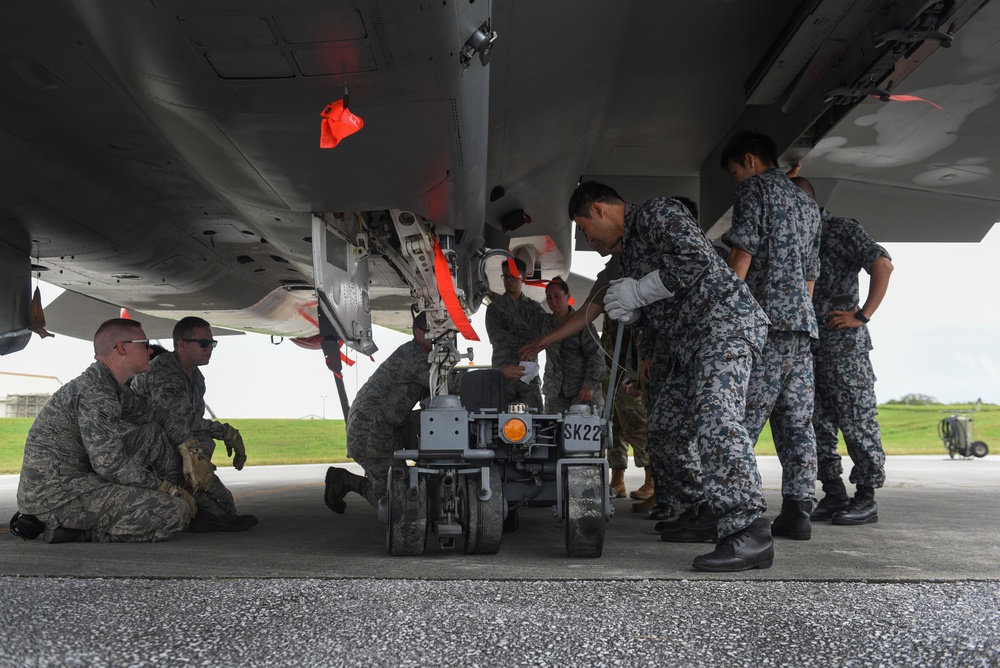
[
  {"x": 204, "y": 343},
  {"x": 144, "y": 342}
]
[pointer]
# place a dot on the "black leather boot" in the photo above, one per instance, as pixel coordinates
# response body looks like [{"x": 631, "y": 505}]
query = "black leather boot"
[
  {"x": 793, "y": 521},
  {"x": 861, "y": 509},
  {"x": 749, "y": 548},
  {"x": 338, "y": 483},
  {"x": 699, "y": 528},
  {"x": 834, "y": 500}
]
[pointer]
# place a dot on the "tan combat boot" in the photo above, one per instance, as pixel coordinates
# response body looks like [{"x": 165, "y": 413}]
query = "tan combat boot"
[
  {"x": 644, "y": 506},
  {"x": 617, "y": 483},
  {"x": 647, "y": 489}
]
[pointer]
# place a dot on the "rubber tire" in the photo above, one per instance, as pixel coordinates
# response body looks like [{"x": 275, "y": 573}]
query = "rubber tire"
[
  {"x": 583, "y": 491},
  {"x": 482, "y": 521},
  {"x": 406, "y": 528},
  {"x": 978, "y": 449}
]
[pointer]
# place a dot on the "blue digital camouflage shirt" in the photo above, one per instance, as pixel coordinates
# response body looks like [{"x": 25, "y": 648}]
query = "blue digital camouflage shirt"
[
  {"x": 845, "y": 250},
  {"x": 709, "y": 301},
  {"x": 778, "y": 224}
]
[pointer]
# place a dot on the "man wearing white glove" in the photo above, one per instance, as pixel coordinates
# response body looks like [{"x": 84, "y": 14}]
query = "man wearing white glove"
[
  {"x": 703, "y": 332},
  {"x": 176, "y": 383}
]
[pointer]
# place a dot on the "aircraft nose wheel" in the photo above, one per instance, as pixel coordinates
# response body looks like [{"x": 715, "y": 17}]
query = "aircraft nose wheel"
[
  {"x": 406, "y": 530},
  {"x": 584, "y": 498},
  {"x": 482, "y": 522}
]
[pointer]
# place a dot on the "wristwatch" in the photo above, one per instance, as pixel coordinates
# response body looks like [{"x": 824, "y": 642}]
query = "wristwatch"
[{"x": 860, "y": 315}]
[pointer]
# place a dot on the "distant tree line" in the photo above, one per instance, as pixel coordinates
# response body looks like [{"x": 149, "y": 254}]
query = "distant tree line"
[{"x": 915, "y": 400}]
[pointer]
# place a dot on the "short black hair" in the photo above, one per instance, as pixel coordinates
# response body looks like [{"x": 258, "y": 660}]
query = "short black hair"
[
  {"x": 751, "y": 142},
  {"x": 521, "y": 265},
  {"x": 420, "y": 321},
  {"x": 185, "y": 326},
  {"x": 589, "y": 192}
]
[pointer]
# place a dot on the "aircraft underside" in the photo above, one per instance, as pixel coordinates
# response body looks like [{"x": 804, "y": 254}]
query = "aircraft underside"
[{"x": 165, "y": 157}]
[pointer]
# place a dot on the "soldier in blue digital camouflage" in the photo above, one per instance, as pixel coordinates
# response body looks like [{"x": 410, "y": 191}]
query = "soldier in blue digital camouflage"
[
  {"x": 175, "y": 382},
  {"x": 512, "y": 320},
  {"x": 774, "y": 244},
  {"x": 702, "y": 332},
  {"x": 575, "y": 369},
  {"x": 100, "y": 462},
  {"x": 845, "y": 382},
  {"x": 382, "y": 420}
]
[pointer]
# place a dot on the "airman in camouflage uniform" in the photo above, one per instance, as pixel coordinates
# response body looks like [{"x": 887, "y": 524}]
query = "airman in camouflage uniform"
[
  {"x": 703, "y": 331},
  {"x": 513, "y": 320},
  {"x": 382, "y": 420},
  {"x": 575, "y": 369},
  {"x": 99, "y": 461},
  {"x": 175, "y": 383},
  {"x": 775, "y": 249},
  {"x": 845, "y": 382}
]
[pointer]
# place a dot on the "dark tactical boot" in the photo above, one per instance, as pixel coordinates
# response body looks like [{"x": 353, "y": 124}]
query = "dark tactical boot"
[
  {"x": 861, "y": 509},
  {"x": 698, "y": 529},
  {"x": 834, "y": 500},
  {"x": 338, "y": 483},
  {"x": 793, "y": 520},
  {"x": 660, "y": 512},
  {"x": 750, "y": 548},
  {"x": 25, "y": 526},
  {"x": 53, "y": 534},
  {"x": 677, "y": 523}
]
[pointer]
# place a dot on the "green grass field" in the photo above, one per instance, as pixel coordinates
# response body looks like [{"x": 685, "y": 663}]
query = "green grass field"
[{"x": 906, "y": 430}]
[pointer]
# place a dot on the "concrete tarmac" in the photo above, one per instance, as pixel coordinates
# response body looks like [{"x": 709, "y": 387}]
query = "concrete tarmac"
[{"x": 309, "y": 587}]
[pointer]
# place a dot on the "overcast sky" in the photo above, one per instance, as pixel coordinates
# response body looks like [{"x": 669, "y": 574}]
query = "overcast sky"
[{"x": 936, "y": 333}]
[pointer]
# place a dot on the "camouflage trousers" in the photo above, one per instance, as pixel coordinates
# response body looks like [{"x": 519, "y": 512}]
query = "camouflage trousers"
[
  {"x": 845, "y": 401},
  {"x": 782, "y": 386},
  {"x": 628, "y": 419},
  {"x": 119, "y": 513},
  {"x": 698, "y": 445},
  {"x": 373, "y": 448},
  {"x": 525, "y": 393}
]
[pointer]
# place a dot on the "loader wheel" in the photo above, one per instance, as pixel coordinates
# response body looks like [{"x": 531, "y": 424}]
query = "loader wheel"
[
  {"x": 406, "y": 530},
  {"x": 978, "y": 449},
  {"x": 482, "y": 521},
  {"x": 584, "y": 494}
]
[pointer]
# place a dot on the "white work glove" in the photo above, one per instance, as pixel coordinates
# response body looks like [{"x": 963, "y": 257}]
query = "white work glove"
[
  {"x": 234, "y": 442},
  {"x": 626, "y": 296}
]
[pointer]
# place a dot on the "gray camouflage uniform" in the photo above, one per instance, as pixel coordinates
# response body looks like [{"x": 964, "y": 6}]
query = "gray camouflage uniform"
[
  {"x": 845, "y": 382},
  {"x": 779, "y": 225},
  {"x": 703, "y": 341},
  {"x": 184, "y": 396},
  {"x": 381, "y": 419},
  {"x": 577, "y": 362},
  {"x": 510, "y": 324},
  {"x": 94, "y": 458}
]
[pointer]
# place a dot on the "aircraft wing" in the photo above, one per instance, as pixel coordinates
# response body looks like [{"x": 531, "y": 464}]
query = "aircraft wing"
[{"x": 165, "y": 156}]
